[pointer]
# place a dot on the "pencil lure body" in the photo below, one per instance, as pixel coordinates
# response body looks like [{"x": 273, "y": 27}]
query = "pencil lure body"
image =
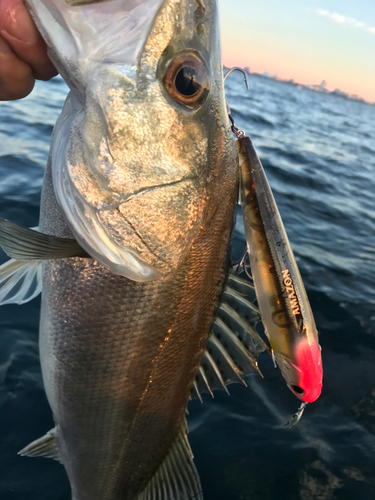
[{"x": 282, "y": 299}]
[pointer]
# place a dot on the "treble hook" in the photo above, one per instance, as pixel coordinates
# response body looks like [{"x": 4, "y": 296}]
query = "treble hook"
[
  {"x": 237, "y": 132},
  {"x": 296, "y": 417}
]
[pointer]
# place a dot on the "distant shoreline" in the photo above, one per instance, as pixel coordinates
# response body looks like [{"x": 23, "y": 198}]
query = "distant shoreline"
[{"x": 314, "y": 88}]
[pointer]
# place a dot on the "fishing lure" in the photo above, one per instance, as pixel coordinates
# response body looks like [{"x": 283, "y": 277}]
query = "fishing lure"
[{"x": 284, "y": 307}]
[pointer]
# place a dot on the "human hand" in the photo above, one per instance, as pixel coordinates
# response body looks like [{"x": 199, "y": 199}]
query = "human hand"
[{"x": 23, "y": 53}]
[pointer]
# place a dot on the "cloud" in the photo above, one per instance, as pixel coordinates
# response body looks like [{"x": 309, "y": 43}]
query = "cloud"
[{"x": 346, "y": 20}]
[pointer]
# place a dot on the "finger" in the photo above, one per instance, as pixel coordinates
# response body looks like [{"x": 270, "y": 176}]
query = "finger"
[
  {"x": 19, "y": 30},
  {"x": 16, "y": 77}
]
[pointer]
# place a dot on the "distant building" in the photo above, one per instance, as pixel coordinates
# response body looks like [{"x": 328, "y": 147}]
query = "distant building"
[
  {"x": 247, "y": 69},
  {"x": 322, "y": 87},
  {"x": 339, "y": 93}
]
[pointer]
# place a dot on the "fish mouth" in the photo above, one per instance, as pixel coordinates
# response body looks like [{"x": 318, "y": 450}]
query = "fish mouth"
[{"x": 64, "y": 25}]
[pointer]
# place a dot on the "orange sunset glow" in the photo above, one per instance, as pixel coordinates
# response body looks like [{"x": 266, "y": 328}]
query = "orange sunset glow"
[{"x": 303, "y": 41}]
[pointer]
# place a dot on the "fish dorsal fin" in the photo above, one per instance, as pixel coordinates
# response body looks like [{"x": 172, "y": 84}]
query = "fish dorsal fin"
[
  {"x": 22, "y": 243},
  {"x": 243, "y": 325},
  {"x": 20, "y": 281},
  {"x": 45, "y": 446},
  {"x": 177, "y": 478},
  {"x": 242, "y": 286},
  {"x": 234, "y": 345},
  {"x": 239, "y": 313}
]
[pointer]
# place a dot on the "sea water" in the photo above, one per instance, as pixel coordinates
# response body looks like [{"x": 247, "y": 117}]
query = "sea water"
[{"x": 319, "y": 155}]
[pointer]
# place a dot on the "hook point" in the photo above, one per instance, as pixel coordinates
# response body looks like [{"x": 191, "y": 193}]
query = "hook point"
[{"x": 235, "y": 68}]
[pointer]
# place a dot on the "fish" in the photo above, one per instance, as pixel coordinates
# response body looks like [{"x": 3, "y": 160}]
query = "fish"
[
  {"x": 281, "y": 296},
  {"x": 132, "y": 251}
]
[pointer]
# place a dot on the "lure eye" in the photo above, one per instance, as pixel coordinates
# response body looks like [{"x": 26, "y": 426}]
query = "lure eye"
[
  {"x": 186, "y": 79},
  {"x": 298, "y": 390}
]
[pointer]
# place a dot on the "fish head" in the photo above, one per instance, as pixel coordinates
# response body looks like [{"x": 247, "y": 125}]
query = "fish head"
[
  {"x": 302, "y": 369},
  {"x": 143, "y": 146}
]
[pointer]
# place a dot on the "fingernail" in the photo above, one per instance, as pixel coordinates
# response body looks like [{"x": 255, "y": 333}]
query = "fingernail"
[{"x": 18, "y": 25}]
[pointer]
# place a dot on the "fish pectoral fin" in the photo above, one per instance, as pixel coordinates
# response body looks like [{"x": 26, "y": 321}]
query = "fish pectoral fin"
[
  {"x": 20, "y": 281},
  {"x": 21, "y": 277},
  {"x": 177, "y": 477},
  {"x": 234, "y": 345},
  {"x": 22, "y": 243},
  {"x": 45, "y": 446}
]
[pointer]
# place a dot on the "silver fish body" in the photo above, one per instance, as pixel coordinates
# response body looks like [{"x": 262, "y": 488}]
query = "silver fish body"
[{"x": 119, "y": 356}]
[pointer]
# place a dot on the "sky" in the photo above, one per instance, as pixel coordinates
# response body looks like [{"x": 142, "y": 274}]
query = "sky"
[{"x": 305, "y": 40}]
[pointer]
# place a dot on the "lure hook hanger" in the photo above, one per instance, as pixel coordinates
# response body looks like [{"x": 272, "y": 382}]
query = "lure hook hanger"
[
  {"x": 241, "y": 263},
  {"x": 237, "y": 132}
]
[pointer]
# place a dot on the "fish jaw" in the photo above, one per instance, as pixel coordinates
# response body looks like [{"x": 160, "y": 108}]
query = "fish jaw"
[
  {"x": 302, "y": 370},
  {"x": 133, "y": 167}
]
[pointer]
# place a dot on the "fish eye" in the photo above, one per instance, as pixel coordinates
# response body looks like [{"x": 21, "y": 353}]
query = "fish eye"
[{"x": 186, "y": 79}]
